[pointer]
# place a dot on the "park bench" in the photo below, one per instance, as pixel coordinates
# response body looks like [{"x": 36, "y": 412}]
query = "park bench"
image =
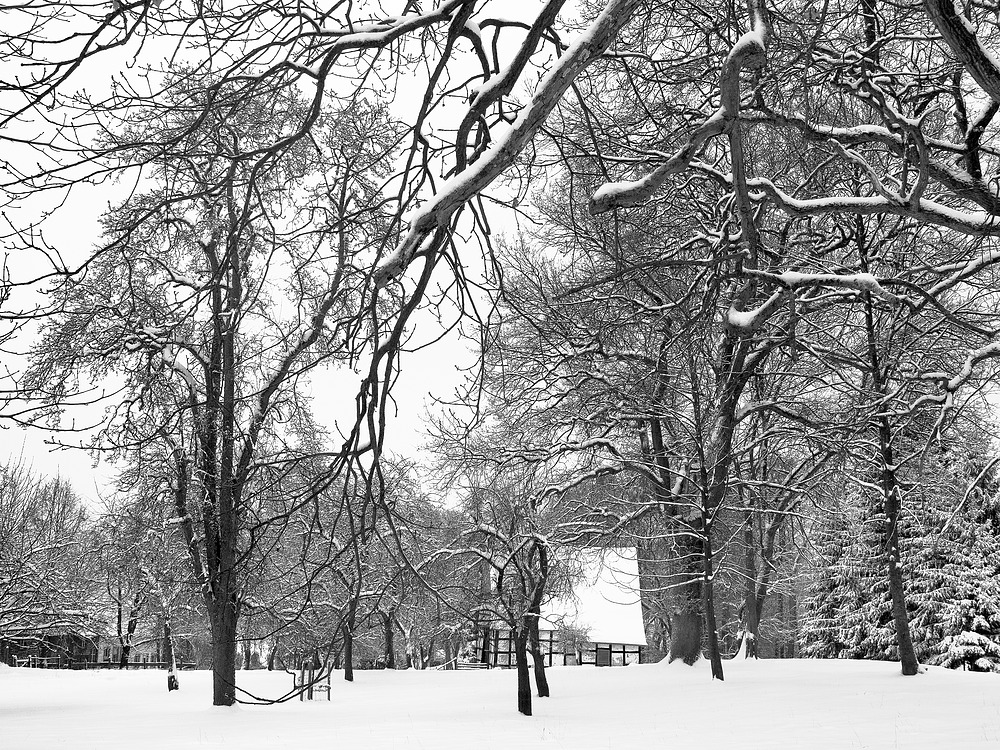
[{"x": 471, "y": 665}]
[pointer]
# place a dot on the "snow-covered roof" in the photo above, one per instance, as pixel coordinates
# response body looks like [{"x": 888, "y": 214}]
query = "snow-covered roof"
[{"x": 605, "y": 599}]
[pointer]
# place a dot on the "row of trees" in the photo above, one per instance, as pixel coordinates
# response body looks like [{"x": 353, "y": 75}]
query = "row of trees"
[
  {"x": 760, "y": 264},
  {"x": 120, "y": 575}
]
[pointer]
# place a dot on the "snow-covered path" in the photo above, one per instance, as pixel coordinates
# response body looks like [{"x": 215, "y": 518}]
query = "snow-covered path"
[{"x": 793, "y": 704}]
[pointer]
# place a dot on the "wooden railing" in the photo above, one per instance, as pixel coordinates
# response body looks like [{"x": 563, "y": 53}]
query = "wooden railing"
[
  {"x": 62, "y": 662},
  {"x": 131, "y": 665}
]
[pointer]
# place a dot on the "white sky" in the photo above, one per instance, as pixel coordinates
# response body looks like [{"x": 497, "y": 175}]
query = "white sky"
[{"x": 434, "y": 371}]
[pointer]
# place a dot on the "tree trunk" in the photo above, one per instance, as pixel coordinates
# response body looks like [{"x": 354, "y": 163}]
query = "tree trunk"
[
  {"x": 779, "y": 647},
  {"x": 484, "y": 650},
  {"x": 390, "y": 647},
  {"x": 534, "y": 641},
  {"x": 223, "y": 622},
  {"x": 793, "y": 619},
  {"x": 751, "y": 613},
  {"x": 348, "y": 652},
  {"x": 907, "y": 655},
  {"x": 891, "y": 504},
  {"x": 685, "y": 636},
  {"x": 686, "y": 620},
  {"x": 412, "y": 655},
  {"x": 523, "y": 680},
  {"x": 127, "y": 637},
  {"x": 708, "y": 591},
  {"x": 168, "y": 657}
]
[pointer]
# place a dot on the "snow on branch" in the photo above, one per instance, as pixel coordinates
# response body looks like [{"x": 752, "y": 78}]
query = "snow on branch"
[
  {"x": 923, "y": 209},
  {"x": 974, "y": 357},
  {"x": 461, "y": 188},
  {"x": 749, "y": 51},
  {"x": 790, "y": 281}
]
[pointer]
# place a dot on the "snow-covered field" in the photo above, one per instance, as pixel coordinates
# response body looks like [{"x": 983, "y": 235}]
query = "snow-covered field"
[{"x": 792, "y": 704}]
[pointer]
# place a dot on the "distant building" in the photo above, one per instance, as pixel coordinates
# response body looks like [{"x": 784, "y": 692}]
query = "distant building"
[
  {"x": 599, "y": 623},
  {"x": 52, "y": 648},
  {"x": 67, "y": 648},
  {"x": 145, "y": 650}
]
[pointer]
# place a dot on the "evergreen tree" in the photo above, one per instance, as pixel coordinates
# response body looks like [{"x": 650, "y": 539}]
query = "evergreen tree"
[{"x": 827, "y": 593}]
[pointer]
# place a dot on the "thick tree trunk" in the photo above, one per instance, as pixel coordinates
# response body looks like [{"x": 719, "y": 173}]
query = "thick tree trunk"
[
  {"x": 685, "y": 635},
  {"x": 686, "y": 622},
  {"x": 169, "y": 658},
  {"x": 541, "y": 681},
  {"x": 523, "y": 680},
  {"x": 223, "y": 622}
]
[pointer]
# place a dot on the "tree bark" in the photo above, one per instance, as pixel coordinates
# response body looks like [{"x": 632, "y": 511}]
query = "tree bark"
[
  {"x": 779, "y": 648},
  {"x": 793, "y": 619},
  {"x": 708, "y": 591},
  {"x": 891, "y": 503},
  {"x": 223, "y": 623},
  {"x": 520, "y": 635},
  {"x": 751, "y": 613},
  {"x": 348, "y": 652},
  {"x": 907, "y": 655},
  {"x": 685, "y": 635},
  {"x": 272, "y": 654},
  {"x": 484, "y": 650},
  {"x": 169, "y": 658},
  {"x": 125, "y": 639},
  {"x": 686, "y": 615},
  {"x": 541, "y": 681},
  {"x": 390, "y": 647}
]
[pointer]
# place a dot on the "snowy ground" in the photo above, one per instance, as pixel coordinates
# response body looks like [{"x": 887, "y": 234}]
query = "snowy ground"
[{"x": 790, "y": 704}]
